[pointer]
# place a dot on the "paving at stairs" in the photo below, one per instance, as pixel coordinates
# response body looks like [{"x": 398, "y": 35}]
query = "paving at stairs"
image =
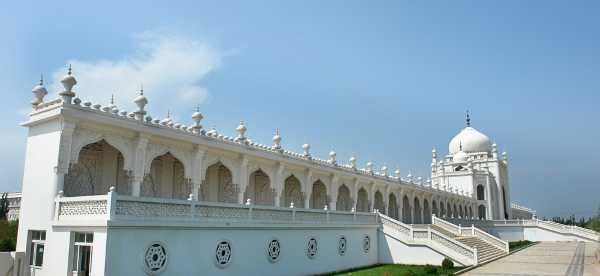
[
  {"x": 485, "y": 250},
  {"x": 545, "y": 258}
]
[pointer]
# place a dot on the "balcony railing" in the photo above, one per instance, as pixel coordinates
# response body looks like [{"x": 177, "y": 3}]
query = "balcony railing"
[{"x": 114, "y": 207}]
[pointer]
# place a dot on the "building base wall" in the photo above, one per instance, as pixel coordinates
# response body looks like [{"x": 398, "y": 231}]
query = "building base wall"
[{"x": 193, "y": 251}]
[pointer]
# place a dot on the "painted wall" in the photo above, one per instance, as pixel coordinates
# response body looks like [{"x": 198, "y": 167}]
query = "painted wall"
[
  {"x": 394, "y": 251},
  {"x": 192, "y": 251},
  {"x": 507, "y": 233}
]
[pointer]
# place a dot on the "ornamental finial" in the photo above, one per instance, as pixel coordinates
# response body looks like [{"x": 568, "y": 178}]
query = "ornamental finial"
[
  {"x": 68, "y": 82},
  {"x": 277, "y": 139},
  {"x": 241, "y": 129},
  {"x": 141, "y": 103},
  {"x": 39, "y": 92},
  {"x": 197, "y": 117},
  {"x": 468, "y": 119}
]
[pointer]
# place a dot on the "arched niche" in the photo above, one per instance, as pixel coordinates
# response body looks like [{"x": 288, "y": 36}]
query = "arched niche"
[
  {"x": 434, "y": 208},
  {"x": 392, "y": 206},
  {"x": 379, "y": 204},
  {"x": 362, "y": 201},
  {"x": 406, "y": 210},
  {"x": 426, "y": 212},
  {"x": 292, "y": 192},
  {"x": 344, "y": 201},
  {"x": 166, "y": 179},
  {"x": 417, "y": 212},
  {"x": 480, "y": 192},
  {"x": 481, "y": 211},
  {"x": 98, "y": 166},
  {"x": 218, "y": 184},
  {"x": 318, "y": 195},
  {"x": 259, "y": 189}
]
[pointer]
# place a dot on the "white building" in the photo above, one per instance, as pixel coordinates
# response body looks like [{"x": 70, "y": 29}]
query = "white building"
[{"x": 111, "y": 192}]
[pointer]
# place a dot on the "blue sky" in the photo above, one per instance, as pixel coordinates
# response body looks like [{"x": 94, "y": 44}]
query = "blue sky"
[{"x": 387, "y": 80}]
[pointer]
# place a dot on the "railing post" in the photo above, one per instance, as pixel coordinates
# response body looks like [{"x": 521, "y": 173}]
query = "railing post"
[
  {"x": 191, "y": 200},
  {"x": 293, "y": 214},
  {"x": 57, "y": 204},
  {"x": 459, "y": 230},
  {"x": 476, "y": 256},
  {"x": 473, "y": 229},
  {"x": 111, "y": 202}
]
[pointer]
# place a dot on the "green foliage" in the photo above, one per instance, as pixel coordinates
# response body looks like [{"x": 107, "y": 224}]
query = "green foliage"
[
  {"x": 594, "y": 223},
  {"x": 3, "y": 206},
  {"x": 429, "y": 269},
  {"x": 447, "y": 264},
  {"x": 8, "y": 235},
  {"x": 518, "y": 244},
  {"x": 408, "y": 273}
]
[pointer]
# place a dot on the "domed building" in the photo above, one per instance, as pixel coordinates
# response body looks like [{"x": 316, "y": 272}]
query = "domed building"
[{"x": 473, "y": 165}]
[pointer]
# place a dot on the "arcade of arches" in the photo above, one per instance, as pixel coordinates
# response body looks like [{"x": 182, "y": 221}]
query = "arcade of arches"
[{"x": 100, "y": 165}]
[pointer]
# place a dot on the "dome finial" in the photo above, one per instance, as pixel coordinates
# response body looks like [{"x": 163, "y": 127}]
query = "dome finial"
[
  {"x": 69, "y": 71},
  {"x": 460, "y": 146},
  {"x": 468, "y": 119},
  {"x": 112, "y": 99},
  {"x": 41, "y": 79}
]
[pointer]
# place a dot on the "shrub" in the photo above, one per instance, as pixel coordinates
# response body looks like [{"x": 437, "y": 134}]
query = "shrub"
[
  {"x": 447, "y": 264},
  {"x": 429, "y": 269},
  {"x": 8, "y": 235}
]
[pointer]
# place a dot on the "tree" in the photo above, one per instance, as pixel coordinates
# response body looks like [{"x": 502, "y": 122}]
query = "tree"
[
  {"x": 3, "y": 206},
  {"x": 594, "y": 223}
]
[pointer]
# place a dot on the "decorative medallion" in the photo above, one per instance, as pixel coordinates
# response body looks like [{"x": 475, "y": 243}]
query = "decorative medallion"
[
  {"x": 155, "y": 258},
  {"x": 366, "y": 244},
  {"x": 273, "y": 250},
  {"x": 342, "y": 245},
  {"x": 311, "y": 248},
  {"x": 223, "y": 254}
]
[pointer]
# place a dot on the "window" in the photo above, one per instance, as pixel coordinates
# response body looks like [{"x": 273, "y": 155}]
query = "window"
[
  {"x": 82, "y": 253},
  {"x": 36, "y": 250}
]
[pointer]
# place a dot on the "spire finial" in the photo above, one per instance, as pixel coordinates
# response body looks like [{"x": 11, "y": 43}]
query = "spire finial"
[
  {"x": 112, "y": 99},
  {"x": 141, "y": 89},
  {"x": 460, "y": 145},
  {"x": 69, "y": 72},
  {"x": 168, "y": 113},
  {"x": 41, "y": 79},
  {"x": 468, "y": 119},
  {"x": 197, "y": 108}
]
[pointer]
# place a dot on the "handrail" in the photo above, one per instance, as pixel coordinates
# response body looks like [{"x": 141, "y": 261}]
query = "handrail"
[
  {"x": 501, "y": 244},
  {"x": 432, "y": 237},
  {"x": 452, "y": 228}
]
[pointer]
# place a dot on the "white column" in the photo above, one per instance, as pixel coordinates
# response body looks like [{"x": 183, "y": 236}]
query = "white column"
[
  {"x": 333, "y": 192},
  {"x": 308, "y": 184},
  {"x": 139, "y": 169},
  {"x": 243, "y": 179},
  {"x": 197, "y": 172}
]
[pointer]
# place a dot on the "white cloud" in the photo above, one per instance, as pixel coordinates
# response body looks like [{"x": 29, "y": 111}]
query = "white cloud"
[{"x": 170, "y": 68}]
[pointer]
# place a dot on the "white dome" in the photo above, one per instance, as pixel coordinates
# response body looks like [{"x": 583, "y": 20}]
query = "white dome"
[
  {"x": 460, "y": 157},
  {"x": 471, "y": 141}
]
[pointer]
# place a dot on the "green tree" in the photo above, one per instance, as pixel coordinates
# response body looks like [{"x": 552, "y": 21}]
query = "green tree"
[
  {"x": 8, "y": 235},
  {"x": 594, "y": 222},
  {"x": 3, "y": 206}
]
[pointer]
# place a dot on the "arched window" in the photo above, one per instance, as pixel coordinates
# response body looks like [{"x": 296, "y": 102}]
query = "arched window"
[{"x": 480, "y": 192}]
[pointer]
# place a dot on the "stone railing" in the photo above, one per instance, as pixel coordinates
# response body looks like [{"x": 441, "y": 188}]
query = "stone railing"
[
  {"x": 413, "y": 234},
  {"x": 459, "y": 230},
  {"x": 549, "y": 225},
  {"x": 115, "y": 207},
  {"x": 452, "y": 228}
]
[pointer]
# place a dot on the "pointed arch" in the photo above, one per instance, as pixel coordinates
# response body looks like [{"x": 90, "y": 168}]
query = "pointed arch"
[
  {"x": 434, "y": 208},
  {"x": 455, "y": 211},
  {"x": 417, "y": 211},
  {"x": 379, "y": 204},
  {"x": 344, "y": 201},
  {"x": 362, "y": 201},
  {"x": 392, "y": 206},
  {"x": 480, "y": 192},
  {"x": 481, "y": 211},
  {"x": 99, "y": 166},
  {"x": 449, "y": 210},
  {"x": 406, "y": 210},
  {"x": 259, "y": 189},
  {"x": 166, "y": 178},
  {"x": 426, "y": 212},
  {"x": 292, "y": 192},
  {"x": 218, "y": 184},
  {"x": 318, "y": 195},
  {"x": 442, "y": 210}
]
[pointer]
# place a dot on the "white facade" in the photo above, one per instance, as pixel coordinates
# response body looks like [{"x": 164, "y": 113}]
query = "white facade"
[
  {"x": 111, "y": 192},
  {"x": 473, "y": 166}
]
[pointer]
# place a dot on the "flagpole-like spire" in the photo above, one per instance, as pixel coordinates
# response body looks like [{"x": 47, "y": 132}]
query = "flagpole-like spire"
[{"x": 468, "y": 119}]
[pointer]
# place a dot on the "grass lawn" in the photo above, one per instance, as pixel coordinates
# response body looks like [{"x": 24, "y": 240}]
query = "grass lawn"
[
  {"x": 512, "y": 246},
  {"x": 398, "y": 270}
]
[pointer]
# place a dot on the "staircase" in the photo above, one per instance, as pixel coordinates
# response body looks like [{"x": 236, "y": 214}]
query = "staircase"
[
  {"x": 488, "y": 247},
  {"x": 485, "y": 251}
]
